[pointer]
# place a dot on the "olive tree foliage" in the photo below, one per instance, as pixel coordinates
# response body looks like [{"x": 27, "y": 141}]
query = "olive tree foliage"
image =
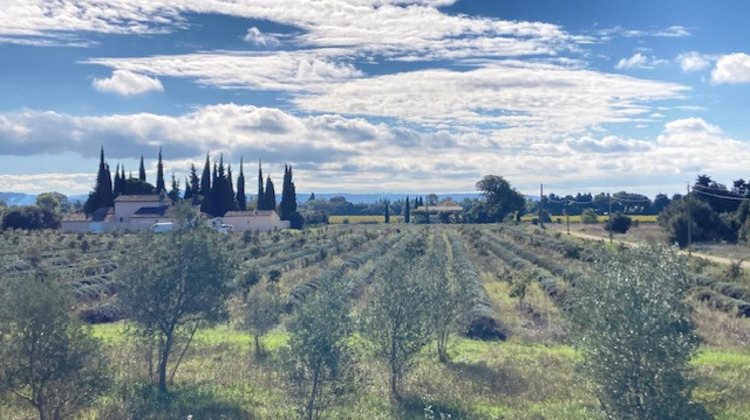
[
  {"x": 498, "y": 200},
  {"x": 48, "y": 360},
  {"x": 449, "y": 302},
  {"x": 320, "y": 364},
  {"x": 632, "y": 326},
  {"x": 395, "y": 319},
  {"x": 170, "y": 283},
  {"x": 262, "y": 312}
]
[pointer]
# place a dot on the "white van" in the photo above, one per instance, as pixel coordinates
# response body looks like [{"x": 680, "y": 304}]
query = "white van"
[{"x": 162, "y": 227}]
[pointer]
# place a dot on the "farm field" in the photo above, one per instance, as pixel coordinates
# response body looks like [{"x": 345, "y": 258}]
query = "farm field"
[
  {"x": 513, "y": 359},
  {"x": 640, "y": 218},
  {"x": 357, "y": 218}
]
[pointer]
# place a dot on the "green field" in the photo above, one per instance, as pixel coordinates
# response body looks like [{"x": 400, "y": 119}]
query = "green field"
[
  {"x": 533, "y": 374},
  {"x": 356, "y": 219},
  {"x": 640, "y": 218}
]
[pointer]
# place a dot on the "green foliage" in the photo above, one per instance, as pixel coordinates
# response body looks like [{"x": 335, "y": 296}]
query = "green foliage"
[
  {"x": 499, "y": 200},
  {"x": 589, "y": 217},
  {"x": 618, "y": 223},
  {"x": 394, "y": 319},
  {"x": 262, "y": 312},
  {"x": 30, "y": 218},
  {"x": 705, "y": 223},
  {"x": 174, "y": 279},
  {"x": 633, "y": 328},
  {"x": 47, "y": 359},
  {"x": 319, "y": 361}
]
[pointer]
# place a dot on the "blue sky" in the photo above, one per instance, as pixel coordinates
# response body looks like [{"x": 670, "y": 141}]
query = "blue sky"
[{"x": 411, "y": 96}]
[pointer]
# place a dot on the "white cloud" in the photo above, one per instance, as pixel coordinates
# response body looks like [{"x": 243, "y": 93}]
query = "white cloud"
[
  {"x": 640, "y": 61},
  {"x": 694, "y": 61},
  {"x": 255, "y": 36},
  {"x": 732, "y": 69},
  {"x": 124, "y": 82},
  {"x": 668, "y": 32},
  {"x": 283, "y": 70},
  {"x": 672, "y": 32}
]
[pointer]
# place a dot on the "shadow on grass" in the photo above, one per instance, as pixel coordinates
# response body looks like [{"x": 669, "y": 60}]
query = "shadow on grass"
[
  {"x": 144, "y": 401},
  {"x": 502, "y": 380}
]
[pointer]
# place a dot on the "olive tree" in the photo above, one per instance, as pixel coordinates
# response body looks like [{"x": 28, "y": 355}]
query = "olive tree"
[
  {"x": 47, "y": 359},
  {"x": 263, "y": 309},
  {"x": 633, "y": 329},
  {"x": 171, "y": 282},
  {"x": 319, "y": 359},
  {"x": 395, "y": 318}
]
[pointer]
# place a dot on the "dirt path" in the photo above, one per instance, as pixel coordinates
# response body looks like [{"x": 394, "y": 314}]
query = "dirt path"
[{"x": 720, "y": 260}]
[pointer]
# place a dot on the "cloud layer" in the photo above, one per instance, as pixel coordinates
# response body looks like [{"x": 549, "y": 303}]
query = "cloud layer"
[{"x": 127, "y": 83}]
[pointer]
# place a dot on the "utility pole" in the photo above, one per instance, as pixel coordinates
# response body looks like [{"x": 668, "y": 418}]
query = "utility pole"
[
  {"x": 690, "y": 224},
  {"x": 610, "y": 217},
  {"x": 541, "y": 205},
  {"x": 567, "y": 218}
]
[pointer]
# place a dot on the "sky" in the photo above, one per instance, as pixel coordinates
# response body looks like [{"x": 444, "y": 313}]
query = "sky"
[{"x": 397, "y": 96}]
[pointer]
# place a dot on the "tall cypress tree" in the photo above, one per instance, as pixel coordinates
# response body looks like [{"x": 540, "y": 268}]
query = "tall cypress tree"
[
  {"x": 270, "y": 195},
  {"x": 241, "y": 197},
  {"x": 407, "y": 212},
  {"x": 188, "y": 195},
  {"x": 387, "y": 211},
  {"x": 261, "y": 194},
  {"x": 102, "y": 194},
  {"x": 174, "y": 192},
  {"x": 160, "y": 186},
  {"x": 117, "y": 190},
  {"x": 205, "y": 190},
  {"x": 229, "y": 196},
  {"x": 217, "y": 190},
  {"x": 288, "y": 205},
  {"x": 142, "y": 170}
]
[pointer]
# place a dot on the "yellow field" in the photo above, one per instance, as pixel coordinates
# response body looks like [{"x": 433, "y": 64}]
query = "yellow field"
[
  {"x": 354, "y": 219},
  {"x": 640, "y": 218}
]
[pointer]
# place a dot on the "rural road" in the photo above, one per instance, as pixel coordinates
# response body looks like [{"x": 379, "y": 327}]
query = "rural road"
[{"x": 720, "y": 260}]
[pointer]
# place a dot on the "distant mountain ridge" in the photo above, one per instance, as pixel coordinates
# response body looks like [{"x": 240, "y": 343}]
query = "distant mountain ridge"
[{"x": 23, "y": 199}]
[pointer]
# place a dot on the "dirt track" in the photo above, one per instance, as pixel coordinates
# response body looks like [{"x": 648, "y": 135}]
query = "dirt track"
[{"x": 720, "y": 260}]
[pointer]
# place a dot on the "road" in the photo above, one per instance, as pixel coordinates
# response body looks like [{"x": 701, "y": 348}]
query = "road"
[{"x": 720, "y": 260}]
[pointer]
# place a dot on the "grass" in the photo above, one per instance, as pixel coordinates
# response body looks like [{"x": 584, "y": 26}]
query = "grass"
[
  {"x": 359, "y": 219},
  {"x": 640, "y": 218}
]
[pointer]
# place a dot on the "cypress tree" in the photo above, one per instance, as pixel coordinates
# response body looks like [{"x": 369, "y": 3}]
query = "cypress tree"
[
  {"x": 286, "y": 191},
  {"x": 241, "y": 198},
  {"x": 102, "y": 194},
  {"x": 407, "y": 213},
  {"x": 160, "y": 186},
  {"x": 174, "y": 192},
  {"x": 270, "y": 195},
  {"x": 142, "y": 170},
  {"x": 188, "y": 195},
  {"x": 231, "y": 203},
  {"x": 193, "y": 187},
  {"x": 261, "y": 194},
  {"x": 219, "y": 190},
  {"x": 122, "y": 179},
  {"x": 117, "y": 190},
  {"x": 205, "y": 190},
  {"x": 387, "y": 212}
]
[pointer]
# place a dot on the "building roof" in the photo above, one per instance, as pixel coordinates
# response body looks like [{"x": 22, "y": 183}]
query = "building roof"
[
  {"x": 160, "y": 211},
  {"x": 98, "y": 215},
  {"x": 149, "y": 198},
  {"x": 251, "y": 213}
]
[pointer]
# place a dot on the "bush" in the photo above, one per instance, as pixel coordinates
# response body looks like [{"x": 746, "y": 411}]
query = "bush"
[
  {"x": 619, "y": 223},
  {"x": 589, "y": 217},
  {"x": 705, "y": 223},
  {"x": 633, "y": 328}
]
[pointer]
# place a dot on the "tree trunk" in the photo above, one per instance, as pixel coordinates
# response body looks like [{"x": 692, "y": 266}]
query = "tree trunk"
[
  {"x": 258, "y": 350},
  {"x": 164, "y": 357},
  {"x": 310, "y": 409}
]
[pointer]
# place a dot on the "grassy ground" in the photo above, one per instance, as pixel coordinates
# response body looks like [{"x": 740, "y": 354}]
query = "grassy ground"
[
  {"x": 355, "y": 219},
  {"x": 640, "y": 218}
]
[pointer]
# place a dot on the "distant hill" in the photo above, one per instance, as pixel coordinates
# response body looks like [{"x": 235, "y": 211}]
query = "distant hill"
[
  {"x": 22, "y": 199},
  {"x": 17, "y": 199}
]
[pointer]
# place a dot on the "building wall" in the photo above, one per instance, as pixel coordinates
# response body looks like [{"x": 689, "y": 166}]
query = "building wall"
[
  {"x": 75, "y": 226},
  {"x": 126, "y": 209}
]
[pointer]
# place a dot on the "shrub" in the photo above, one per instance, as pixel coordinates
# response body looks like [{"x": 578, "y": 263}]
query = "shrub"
[
  {"x": 633, "y": 328},
  {"x": 618, "y": 223},
  {"x": 589, "y": 217}
]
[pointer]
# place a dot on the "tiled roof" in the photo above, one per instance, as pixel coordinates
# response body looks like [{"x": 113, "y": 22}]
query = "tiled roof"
[
  {"x": 150, "y": 198},
  {"x": 97, "y": 216},
  {"x": 151, "y": 211}
]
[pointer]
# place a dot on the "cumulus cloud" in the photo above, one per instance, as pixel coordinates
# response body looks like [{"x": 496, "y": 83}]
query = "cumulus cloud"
[
  {"x": 127, "y": 83},
  {"x": 639, "y": 61},
  {"x": 732, "y": 69},
  {"x": 255, "y": 36},
  {"x": 694, "y": 61}
]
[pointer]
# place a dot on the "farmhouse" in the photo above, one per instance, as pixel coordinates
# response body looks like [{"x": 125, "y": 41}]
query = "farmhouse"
[{"x": 133, "y": 213}]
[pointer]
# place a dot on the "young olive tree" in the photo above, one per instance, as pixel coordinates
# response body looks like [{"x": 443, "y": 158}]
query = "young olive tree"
[
  {"x": 47, "y": 359},
  {"x": 171, "y": 281},
  {"x": 263, "y": 309},
  {"x": 395, "y": 318},
  {"x": 633, "y": 328},
  {"x": 449, "y": 302},
  {"x": 321, "y": 367}
]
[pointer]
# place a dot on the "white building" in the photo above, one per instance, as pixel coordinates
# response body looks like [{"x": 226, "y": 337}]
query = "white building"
[{"x": 133, "y": 213}]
